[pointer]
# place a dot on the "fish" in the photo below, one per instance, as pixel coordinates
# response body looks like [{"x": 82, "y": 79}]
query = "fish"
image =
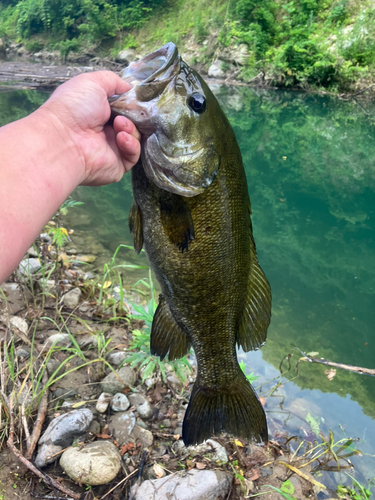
[{"x": 191, "y": 213}]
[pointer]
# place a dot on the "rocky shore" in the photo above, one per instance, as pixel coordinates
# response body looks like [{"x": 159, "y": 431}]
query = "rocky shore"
[{"x": 78, "y": 412}]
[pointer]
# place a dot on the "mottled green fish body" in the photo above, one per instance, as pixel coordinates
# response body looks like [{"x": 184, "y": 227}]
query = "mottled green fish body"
[{"x": 191, "y": 212}]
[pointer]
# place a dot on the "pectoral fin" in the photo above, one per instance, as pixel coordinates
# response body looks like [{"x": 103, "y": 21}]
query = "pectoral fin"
[
  {"x": 166, "y": 336},
  {"x": 177, "y": 221},
  {"x": 256, "y": 315},
  {"x": 135, "y": 226}
]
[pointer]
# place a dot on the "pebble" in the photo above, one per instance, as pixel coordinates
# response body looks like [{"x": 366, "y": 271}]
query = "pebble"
[
  {"x": 142, "y": 406},
  {"x": 22, "y": 353},
  {"x": 218, "y": 453},
  {"x": 119, "y": 402},
  {"x": 117, "y": 357},
  {"x": 113, "y": 385},
  {"x": 93, "y": 464},
  {"x": 61, "y": 393},
  {"x": 71, "y": 299},
  {"x": 60, "y": 433},
  {"x": 29, "y": 266},
  {"x": 197, "y": 485},
  {"x": 32, "y": 252},
  {"x": 46, "y": 238},
  {"x": 165, "y": 423},
  {"x": 87, "y": 340},
  {"x": 103, "y": 402},
  {"x": 61, "y": 339},
  {"x": 143, "y": 436},
  {"x": 121, "y": 425},
  {"x": 19, "y": 323}
]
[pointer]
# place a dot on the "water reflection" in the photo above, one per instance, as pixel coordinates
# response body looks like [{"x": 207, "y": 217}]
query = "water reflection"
[{"x": 309, "y": 162}]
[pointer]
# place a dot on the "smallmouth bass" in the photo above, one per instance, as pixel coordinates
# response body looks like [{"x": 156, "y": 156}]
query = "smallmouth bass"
[{"x": 191, "y": 212}]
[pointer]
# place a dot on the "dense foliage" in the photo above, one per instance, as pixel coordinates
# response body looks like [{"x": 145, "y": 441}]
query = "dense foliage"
[{"x": 328, "y": 43}]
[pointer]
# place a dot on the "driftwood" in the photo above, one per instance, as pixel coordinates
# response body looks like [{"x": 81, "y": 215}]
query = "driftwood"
[{"x": 351, "y": 368}]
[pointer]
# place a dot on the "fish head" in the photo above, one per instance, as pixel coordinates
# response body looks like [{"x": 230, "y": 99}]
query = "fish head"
[{"x": 182, "y": 126}]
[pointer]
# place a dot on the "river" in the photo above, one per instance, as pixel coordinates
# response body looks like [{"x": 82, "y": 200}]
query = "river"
[{"x": 310, "y": 166}]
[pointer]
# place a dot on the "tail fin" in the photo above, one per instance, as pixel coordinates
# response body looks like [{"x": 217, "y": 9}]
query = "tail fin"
[{"x": 235, "y": 409}]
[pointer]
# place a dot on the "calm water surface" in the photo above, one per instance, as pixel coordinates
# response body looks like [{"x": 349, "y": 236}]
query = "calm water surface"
[{"x": 310, "y": 166}]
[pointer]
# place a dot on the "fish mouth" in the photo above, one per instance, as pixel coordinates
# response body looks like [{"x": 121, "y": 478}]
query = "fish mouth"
[{"x": 148, "y": 77}]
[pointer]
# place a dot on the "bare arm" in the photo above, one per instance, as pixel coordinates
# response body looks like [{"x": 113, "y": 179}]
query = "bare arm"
[{"x": 45, "y": 156}]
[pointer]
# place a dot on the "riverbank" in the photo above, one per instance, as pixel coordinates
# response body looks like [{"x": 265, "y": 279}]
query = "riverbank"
[{"x": 66, "y": 330}]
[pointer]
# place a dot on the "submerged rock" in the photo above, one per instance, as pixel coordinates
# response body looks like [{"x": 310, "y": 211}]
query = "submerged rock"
[
  {"x": 60, "y": 433},
  {"x": 94, "y": 464},
  {"x": 197, "y": 485}
]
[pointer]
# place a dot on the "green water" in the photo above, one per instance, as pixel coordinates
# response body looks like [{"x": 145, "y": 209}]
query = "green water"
[{"x": 310, "y": 166}]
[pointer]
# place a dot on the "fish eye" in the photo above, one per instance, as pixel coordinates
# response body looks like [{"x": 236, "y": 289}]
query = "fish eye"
[{"x": 197, "y": 102}]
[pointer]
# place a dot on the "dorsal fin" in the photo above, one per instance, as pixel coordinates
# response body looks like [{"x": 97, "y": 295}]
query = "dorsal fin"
[
  {"x": 166, "y": 336},
  {"x": 256, "y": 316},
  {"x": 135, "y": 226}
]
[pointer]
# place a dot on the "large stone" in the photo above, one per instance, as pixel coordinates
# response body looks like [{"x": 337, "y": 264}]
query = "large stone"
[
  {"x": 94, "y": 464},
  {"x": 71, "y": 299},
  {"x": 29, "y": 266},
  {"x": 60, "y": 433},
  {"x": 196, "y": 485},
  {"x": 112, "y": 384},
  {"x": 121, "y": 426},
  {"x": 125, "y": 56}
]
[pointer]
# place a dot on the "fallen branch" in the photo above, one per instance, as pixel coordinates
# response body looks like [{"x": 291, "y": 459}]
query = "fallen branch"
[
  {"x": 351, "y": 368},
  {"x": 42, "y": 411}
]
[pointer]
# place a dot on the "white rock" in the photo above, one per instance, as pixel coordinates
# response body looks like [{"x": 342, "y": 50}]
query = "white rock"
[
  {"x": 94, "y": 464},
  {"x": 215, "y": 71},
  {"x": 125, "y": 56},
  {"x": 103, "y": 402},
  {"x": 19, "y": 323},
  {"x": 62, "y": 339},
  {"x": 71, "y": 299},
  {"x": 120, "y": 402},
  {"x": 32, "y": 252},
  {"x": 196, "y": 485},
  {"x": 29, "y": 266},
  {"x": 211, "y": 446}
]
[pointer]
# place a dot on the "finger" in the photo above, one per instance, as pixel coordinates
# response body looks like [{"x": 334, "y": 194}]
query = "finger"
[
  {"x": 110, "y": 82},
  {"x": 130, "y": 149},
  {"x": 123, "y": 124}
]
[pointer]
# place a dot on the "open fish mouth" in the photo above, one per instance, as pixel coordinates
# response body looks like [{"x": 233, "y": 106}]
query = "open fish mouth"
[{"x": 150, "y": 75}]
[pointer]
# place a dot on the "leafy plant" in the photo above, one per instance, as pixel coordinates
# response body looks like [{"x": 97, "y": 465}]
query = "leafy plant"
[
  {"x": 354, "y": 492},
  {"x": 250, "y": 377}
]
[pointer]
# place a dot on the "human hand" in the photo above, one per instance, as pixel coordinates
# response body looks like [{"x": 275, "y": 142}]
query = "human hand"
[{"x": 81, "y": 107}]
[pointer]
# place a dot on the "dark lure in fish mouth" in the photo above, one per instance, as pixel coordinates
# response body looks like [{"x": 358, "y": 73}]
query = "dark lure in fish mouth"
[{"x": 191, "y": 213}]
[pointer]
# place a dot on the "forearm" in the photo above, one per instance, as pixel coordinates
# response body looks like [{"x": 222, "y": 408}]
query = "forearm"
[{"x": 39, "y": 168}]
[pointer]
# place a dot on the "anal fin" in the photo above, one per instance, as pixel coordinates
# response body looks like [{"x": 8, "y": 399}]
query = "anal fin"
[
  {"x": 135, "y": 226},
  {"x": 166, "y": 336},
  {"x": 256, "y": 315}
]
